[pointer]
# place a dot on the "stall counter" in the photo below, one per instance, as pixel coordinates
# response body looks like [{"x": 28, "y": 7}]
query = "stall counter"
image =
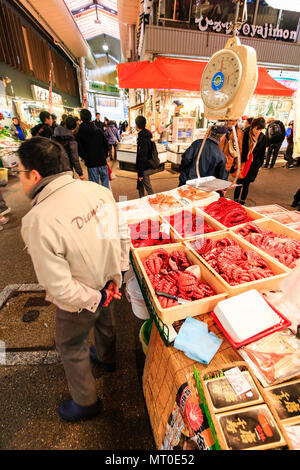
[{"x": 168, "y": 381}]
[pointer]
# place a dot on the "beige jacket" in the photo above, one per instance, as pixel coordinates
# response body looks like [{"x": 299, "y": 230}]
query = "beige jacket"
[{"x": 77, "y": 240}]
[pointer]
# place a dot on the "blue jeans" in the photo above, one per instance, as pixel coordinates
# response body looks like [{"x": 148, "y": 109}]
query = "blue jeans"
[{"x": 102, "y": 171}]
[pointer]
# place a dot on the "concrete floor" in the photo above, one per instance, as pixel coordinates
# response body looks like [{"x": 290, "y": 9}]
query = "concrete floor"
[{"x": 30, "y": 394}]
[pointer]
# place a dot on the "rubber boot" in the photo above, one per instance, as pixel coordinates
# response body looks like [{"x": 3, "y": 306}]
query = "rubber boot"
[
  {"x": 108, "y": 367},
  {"x": 70, "y": 411}
]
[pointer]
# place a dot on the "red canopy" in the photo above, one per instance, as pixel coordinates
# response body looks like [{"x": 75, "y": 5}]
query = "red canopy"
[{"x": 178, "y": 74}]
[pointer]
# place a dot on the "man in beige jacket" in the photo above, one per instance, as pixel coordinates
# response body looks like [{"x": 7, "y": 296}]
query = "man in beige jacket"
[{"x": 79, "y": 247}]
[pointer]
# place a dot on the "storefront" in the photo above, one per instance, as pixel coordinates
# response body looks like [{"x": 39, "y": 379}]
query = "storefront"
[
  {"x": 173, "y": 106},
  {"x": 108, "y": 100}
]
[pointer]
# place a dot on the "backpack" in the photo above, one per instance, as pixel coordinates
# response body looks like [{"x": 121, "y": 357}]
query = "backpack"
[
  {"x": 64, "y": 140},
  {"x": 274, "y": 131},
  {"x": 154, "y": 161}
]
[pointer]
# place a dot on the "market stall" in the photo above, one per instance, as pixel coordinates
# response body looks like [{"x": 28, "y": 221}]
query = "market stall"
[
  {"x": 173, "y": 106},
  {"x": 211, "y": 273},
  {"x": 127, "y": 150}
]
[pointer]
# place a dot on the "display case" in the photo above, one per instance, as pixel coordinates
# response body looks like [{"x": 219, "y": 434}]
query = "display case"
[{"x": 183, "y": 129}]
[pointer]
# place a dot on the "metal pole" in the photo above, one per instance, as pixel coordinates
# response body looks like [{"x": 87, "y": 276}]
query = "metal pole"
[
  {"x": 83, "y": 82},
  {"x": 255, "y": 13},
  {"x": 238, "y": 156}
]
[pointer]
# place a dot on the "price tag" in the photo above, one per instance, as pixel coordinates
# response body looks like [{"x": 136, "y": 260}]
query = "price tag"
[
  {"x": 185, "y": 202},
  {"x": 238, "y": 381},
  {"x": 165, "y": 228}
]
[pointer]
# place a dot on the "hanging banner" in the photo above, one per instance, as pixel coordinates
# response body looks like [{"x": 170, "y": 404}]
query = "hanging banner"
[{"x": 297, "y": 125}]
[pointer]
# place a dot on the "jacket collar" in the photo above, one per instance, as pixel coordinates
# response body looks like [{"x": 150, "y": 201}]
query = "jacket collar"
[{"x": 49, "y": 185}]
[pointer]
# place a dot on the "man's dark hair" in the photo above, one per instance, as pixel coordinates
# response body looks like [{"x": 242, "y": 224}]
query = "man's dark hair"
[
  {"x": 43, "y": 155},
  {"x": 54, "y": 116},
  {"x": 249, "y": 120},
  {"x": 44, "y": 115},
  {"x": 71, "y": 123},
  {"x": 259, "y": 123},
  {"x": 140, "y": 122},
  {"x": 85, "y": 115},
  {"x": 97, "y": 114}
]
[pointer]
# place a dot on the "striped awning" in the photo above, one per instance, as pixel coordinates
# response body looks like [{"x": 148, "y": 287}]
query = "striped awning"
[{"x": 84, "y": 13}]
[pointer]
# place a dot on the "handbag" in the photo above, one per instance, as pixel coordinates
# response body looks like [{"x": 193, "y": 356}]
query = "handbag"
[{"x": 246, "y": 167}]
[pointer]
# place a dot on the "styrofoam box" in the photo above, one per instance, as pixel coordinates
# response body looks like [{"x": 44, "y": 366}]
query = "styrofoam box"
[{"x": 245, "y": 315}]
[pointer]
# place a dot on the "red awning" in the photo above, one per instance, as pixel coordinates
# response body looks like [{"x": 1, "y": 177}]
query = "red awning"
[{"x": 178, "y": 74}]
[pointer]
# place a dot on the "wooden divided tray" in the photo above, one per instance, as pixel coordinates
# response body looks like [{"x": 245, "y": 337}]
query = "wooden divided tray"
[
  {"x": 156, "y": 218},
  {"x": 206, "y": 218},
  {"x": 251, "y": 213},
  {"x": 241, "y": 422},
  {"x": 268, "y": 283},
  {"x": 193, "y": 308},
  {"x": 274, "y": 226}
]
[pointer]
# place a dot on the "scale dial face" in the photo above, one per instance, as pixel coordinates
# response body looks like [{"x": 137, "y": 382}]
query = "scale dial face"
[{"x": 221, "y": 79}]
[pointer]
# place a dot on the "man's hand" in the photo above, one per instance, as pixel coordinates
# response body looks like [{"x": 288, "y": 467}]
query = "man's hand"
[
  {"x": 112, "y": 292},
  {"x": 82, "y": 177},
  {"x": 141, "y": 179}
]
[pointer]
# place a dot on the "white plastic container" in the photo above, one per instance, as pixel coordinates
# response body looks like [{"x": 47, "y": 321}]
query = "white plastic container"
[{"x": 135, "y": 296}]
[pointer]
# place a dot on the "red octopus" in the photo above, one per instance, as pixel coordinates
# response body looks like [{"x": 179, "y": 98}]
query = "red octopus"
[
  {"x": 281, "y": 247},
  {"x": 235, "y": 265},
  {"x": 167, "y": 273}
]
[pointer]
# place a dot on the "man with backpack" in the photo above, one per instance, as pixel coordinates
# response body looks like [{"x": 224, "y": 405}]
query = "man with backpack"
[
  {"x": 275, "y": 136},
  {"x": 44, "y": 129},
  {"x": 143, "y": 156},
  {"x": 65, "y": 136}
]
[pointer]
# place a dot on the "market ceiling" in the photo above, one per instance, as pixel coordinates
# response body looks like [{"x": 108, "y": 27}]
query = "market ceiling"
[
  {"x": 177, "y": 74},
  {"x": 95, "y": 17}
]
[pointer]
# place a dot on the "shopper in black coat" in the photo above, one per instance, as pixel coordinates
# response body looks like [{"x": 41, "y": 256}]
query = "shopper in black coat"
[
  {"x": 144, "y": 153},
  {"x": 275, "y": 136},
  {"x": 252, "y": 159},
  {"x": 93, "y": 148}
]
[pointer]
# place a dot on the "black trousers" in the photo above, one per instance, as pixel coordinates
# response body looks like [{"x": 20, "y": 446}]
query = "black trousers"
[
  {"x": 241, "y": 189},
  {"x": 289, "y": 154},
  {"x": 145, "y": 184},
  {"x": 272, "y": 152}
]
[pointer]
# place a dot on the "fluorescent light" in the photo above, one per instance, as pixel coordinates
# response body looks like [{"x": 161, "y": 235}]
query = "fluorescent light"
[
  {"x": 105, "y": 47},
  {"x": 291, "y": 5}
]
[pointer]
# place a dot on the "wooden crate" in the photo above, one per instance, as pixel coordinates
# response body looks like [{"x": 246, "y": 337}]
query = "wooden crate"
[
  {"x": 206, "y": 218},
  {"x": 251, "y": 213},
  {"x": 154, "y": 218},
  {"x": 243, "y": 366},
  {"x": 191, "y": 309},
  {"x": 272, "y": 209},
  {"x": 274, "y": 226},
  {"x": 268, "y": 283}
]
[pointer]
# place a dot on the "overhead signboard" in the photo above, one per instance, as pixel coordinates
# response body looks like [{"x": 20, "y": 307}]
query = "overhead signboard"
[{"x": 104, "y": 88}]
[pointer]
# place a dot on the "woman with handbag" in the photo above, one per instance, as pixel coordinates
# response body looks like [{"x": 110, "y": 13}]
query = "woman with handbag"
[
  {"x": 112, "y": 139},
  {"x": 253, "y": 153}
]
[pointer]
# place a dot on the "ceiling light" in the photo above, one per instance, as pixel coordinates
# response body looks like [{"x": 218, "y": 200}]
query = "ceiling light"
[
  {"x": 291, "y": 5},
  {"x": 105, "y": 47}
]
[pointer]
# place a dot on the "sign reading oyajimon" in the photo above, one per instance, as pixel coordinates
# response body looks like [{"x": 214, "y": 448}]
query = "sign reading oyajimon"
[{"x": 267, "y": 31}]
